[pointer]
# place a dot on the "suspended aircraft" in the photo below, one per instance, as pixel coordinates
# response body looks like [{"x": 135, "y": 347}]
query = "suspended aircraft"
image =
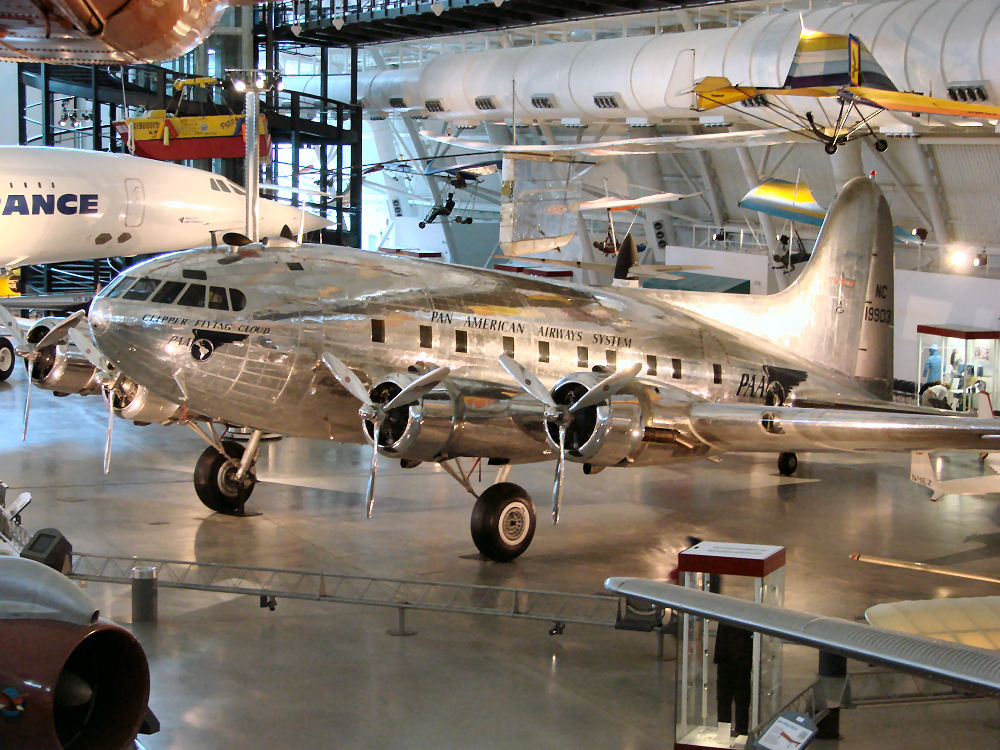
[
  {"x": 105, "y": 31},
  {"x": 449, "y": 362},
  {"x": 838, "y": 67}
]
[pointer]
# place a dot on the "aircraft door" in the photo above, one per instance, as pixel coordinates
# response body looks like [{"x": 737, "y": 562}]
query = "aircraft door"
[{"x": 135, "y": 202}]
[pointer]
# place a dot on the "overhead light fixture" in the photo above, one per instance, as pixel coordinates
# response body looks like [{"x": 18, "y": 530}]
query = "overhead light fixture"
[
  {"x": 437, "y": 8},
  {"x": 920, "y": 233},
  {"x": 338, "y": 22},
  {"x": 980, "y": 259},
  {"x": 239, "y": 85},
  {"x": 260, "y": 83},
  {"x": 959, "y": 258},
  {"x": 719, "y": 236}
]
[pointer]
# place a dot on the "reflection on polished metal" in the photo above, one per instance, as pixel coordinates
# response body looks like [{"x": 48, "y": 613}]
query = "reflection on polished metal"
[{"x": 456, "y": 598}]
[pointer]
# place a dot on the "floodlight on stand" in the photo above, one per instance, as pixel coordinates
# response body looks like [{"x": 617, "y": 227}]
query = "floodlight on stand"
[{"x": 920, "y": 233}]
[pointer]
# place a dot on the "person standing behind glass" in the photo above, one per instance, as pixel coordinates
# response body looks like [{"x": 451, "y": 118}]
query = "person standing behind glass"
[{"x": 932, "y": 367}]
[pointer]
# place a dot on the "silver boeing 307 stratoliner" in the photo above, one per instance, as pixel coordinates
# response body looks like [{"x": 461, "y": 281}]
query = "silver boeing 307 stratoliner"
[{"x": 452, "y": 362}]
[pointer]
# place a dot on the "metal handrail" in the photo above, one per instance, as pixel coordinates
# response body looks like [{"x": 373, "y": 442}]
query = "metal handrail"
[{"x": 459, "y": 598}]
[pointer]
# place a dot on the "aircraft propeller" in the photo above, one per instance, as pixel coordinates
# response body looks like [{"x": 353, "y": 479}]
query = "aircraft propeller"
[
  {"x": 377, "y": 412},
  {"x": 108, "y": 379},
  {"x": 30, "y": 351},
  {"x": 561, "y": 414}
]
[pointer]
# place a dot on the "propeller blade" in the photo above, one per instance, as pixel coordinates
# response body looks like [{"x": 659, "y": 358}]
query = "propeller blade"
[
  {"x": 346, "y": 377},
  {"x": 111, "y": 425},
  {"x": 417, "y": 389},
  {"x": 526, "y": 380},
  {"x": 370, "y": 498},
  {"x": 560, "y": 472},
  {"x": 607, "y": 388},
  {"x": 85, "y": 344},
  {"x": 13, "y": 329},
  {"x": 27, "y": 408},
  {"x": 58, "y": 333}
]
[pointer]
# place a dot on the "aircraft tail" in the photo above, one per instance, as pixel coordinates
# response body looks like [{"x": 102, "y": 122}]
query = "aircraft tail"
[
  {"x": 823, "y": 59},
  {"x": 839, "y": 311},
  {"x": 922, "y": 472}
]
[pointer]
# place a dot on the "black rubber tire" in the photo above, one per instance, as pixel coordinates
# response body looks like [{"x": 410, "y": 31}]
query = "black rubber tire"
[
  {"x": 881, "y": 144},
  {"x": 7, "y": 358},
  {"x": 787, "y": 464},
  {"x": 213, "y": 479},
  {"x": 830, "y": 148},
  {"x": 503, "y": 522}
]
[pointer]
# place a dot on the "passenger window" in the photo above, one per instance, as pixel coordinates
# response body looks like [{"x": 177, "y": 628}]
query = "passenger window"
[
  {"x": 217, "y": 298},
  {"x": 676, "y": 363},
  {"x": 168, "y": 292},
  {"x": 119, "y": 286},
  {"x": 612, "y": 358},
  {"x": 222, "y": 186},
  {"x": 543, "y": 351},
  {"x": 717, "y": 374},
  {"x": 194, "y": 296},
  {"x": 651, "y": 365},
  {"x": 426, "y": 337},
  {"x": 508, "y": 346},
  {"x": 378, "y": 331},
  {"x": 582, "y": 357},
  {"x": 142, "y": 288},
  {"x": 462, "y": 342},
  {"x": 237, "y": 300},
  {"x": 194, "y": 273}
]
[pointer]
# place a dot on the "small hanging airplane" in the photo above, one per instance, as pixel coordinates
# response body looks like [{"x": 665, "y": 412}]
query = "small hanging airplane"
[
  {"x": 839, "y": 67},
  {"x": 290, "y": 338}
]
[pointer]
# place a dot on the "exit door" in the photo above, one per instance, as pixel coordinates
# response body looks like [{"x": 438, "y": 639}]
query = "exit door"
[{"x": 135, "y": 202}]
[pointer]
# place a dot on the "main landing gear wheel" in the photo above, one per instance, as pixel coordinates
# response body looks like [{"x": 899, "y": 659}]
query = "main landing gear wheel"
[
  {"x": 7, "y": 358},
  {"x": 215, "y": 479},
  {"x": 503, "y": 522},
  {"x": 787, "y": 464}
]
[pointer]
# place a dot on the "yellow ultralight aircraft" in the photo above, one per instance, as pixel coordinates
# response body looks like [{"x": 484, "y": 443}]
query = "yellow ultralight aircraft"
[{"x": 841, "y": 67}]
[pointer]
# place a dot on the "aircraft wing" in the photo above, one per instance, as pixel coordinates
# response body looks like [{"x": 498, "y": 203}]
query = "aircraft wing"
[
  {"x": 904, "y": 101},
  {"x": 971, "y": 621},
  {"x": 626, "y": 146},
  {"x": 967, "y": 667},
  {"x": 644, "y": 271},
  {"x": 617, "y": 204},
  {"x": 47, "y": 301}
]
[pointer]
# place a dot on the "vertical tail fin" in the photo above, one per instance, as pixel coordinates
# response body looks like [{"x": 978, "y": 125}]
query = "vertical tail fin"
[{"x": 839, "y": 312}]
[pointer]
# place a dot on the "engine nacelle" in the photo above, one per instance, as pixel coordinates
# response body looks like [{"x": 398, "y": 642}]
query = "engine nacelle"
[
  {"x": 67, "y": 678},
  {"x": 60, "y": 369},
  {"x": 642, "y": 424},
  {"x": 135, "y": 402},
  {"x": 458, "y": 419}
]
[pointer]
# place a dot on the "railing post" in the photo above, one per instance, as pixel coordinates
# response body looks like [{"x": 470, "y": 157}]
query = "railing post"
[{"x": 144, "y": 600}]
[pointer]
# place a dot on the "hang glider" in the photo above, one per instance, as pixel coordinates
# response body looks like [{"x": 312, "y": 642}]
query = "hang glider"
[
  {"x": 963, "y": 666},
  {"x": 633, "y": 146},
  {"x": 835, "y": 66},
  {"x": 922, "y": 472},
  {"x": 794, "y": 201}
]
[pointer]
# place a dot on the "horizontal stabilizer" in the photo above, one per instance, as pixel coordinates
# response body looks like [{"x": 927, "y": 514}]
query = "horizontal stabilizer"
[
  {"x": 717, "y": 91},
  {"x": 968, "y": 668}
]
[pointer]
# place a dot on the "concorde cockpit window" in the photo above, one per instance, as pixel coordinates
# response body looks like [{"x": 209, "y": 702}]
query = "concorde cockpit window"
[
  {"x": 119, "y": 286},
  {"x": 194, "y": 296},
  {"x": 237, "y": 300},
  {"x": 141, "y": 290},
  {"x": 168, "y": 292},
  {"x": 217, "y": 298}
]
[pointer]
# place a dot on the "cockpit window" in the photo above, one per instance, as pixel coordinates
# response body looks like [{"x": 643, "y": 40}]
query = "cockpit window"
[
  {"x": 168, "y": 292},
  {"x": 217, "y": 298},
  {"x": 194, "y": 296},
  {"x": 119, "y": 286},
  {"x": 238, "y": 299},
  {"x": 142, "y": 288}
]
